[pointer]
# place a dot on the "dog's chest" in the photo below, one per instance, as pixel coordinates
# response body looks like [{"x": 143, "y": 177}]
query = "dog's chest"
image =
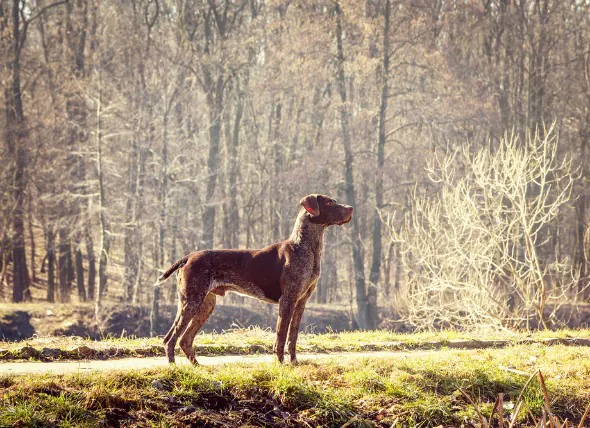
[
  {"x": 308, "y": 262},
  {"x": 317, "y": 259},
  {"x": 241, "y": 287}
]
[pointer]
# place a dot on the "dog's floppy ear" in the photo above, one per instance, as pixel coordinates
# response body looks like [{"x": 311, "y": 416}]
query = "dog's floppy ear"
[{"x": 310, "y": 203}]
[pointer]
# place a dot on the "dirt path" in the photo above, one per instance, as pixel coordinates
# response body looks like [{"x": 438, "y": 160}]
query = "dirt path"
[{"x": 60, "y": 367}]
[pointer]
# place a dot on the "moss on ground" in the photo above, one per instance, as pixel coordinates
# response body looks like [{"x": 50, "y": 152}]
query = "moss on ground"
[{"x": 421, "y": 390}]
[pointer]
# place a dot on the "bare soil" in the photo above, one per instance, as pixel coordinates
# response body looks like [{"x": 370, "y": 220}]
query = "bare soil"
[{"x": 126, "y": 364}]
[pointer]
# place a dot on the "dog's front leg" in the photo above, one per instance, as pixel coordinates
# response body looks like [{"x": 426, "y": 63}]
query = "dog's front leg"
[
  {"x": 286, "y": 307},
  {"x": 294, "y": 331},
  {"x": 296, "y": 321}
]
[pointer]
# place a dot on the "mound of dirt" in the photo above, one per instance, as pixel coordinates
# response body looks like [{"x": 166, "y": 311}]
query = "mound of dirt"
[{"x": 16, "y": 325}]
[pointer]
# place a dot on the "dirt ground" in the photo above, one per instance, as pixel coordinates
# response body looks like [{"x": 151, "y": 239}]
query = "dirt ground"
[{"x": 85, "y": 366}]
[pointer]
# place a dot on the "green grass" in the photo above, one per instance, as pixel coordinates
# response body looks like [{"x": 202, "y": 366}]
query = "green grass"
[
  {"x": 419, "y": 389},
  {"x": 259, "y": 341}
]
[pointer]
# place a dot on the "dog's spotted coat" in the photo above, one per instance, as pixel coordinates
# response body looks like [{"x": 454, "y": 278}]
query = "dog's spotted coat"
[{"x": 285, "y": 273}]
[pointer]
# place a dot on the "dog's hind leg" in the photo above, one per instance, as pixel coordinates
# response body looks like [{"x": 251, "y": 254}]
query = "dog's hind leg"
[
  {"x": 179, "y": 310},
  {"x": 188, "y": 310},
  {"x": 193, "y": 286},
  {"x": 188, "y": 337},
  {"x": 175, "y": 323}
]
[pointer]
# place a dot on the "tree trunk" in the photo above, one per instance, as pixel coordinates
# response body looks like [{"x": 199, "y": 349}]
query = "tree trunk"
[
  {"x": 233, "y": 173},
  {"x": 329, "y": 277},
  {"x": 275, "y": 191},
  {"x": 130, "y": 226},
  {"x": 155, "y": 309},
  {"x": 2, "y": 269},
  {"x": 357, "y": 249},
  {"x": 80, "y": 275},
  {"x": 70, "y": 268},
  {"x": 212, "y": 167},
  {"x": 50, "y": 247},
  {"x": 32, "y": 276},
  {"x": 103, "y": 220},
  {"x": 138, "y": 208},
  {"x": 582, "y": 253},
  {"x": 6, "y": 259},
  {"x": 137, "y": 282},
  {"x": 155, "y": 312},
  {"x": 91, "y": 264},
  {"x": 215, "y": 103},
  {"x": 15, "y": 134},
  {"x": 163, "y": 190},
  {"x": 398, "y": 269},
  {"x": 172, "y": 295},
  {"x": 133, "y": 238},
  {"x": 224, "y": 180},
  {"x": 18, "y": 238},
  {"x": 130, "y": 261},
  {"x": 377, "y": 246},
  {"x": 64, "y": 251},
  {"x": 76, "y": 23},
  {"x": 387, "y": 269}
]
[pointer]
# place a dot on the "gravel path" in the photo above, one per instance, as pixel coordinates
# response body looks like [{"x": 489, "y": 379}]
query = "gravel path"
[{"x": 85, "y": 366}]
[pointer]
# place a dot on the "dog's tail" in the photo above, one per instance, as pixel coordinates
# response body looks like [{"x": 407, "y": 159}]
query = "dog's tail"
[{"x": 177, "y": 265}]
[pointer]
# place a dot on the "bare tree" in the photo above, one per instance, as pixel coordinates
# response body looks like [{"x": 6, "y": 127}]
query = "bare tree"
[
  {"x": 105, "y": 239},
  {"x": 15, "y": 137},
  {"x": 363, "y": 303},
  {"x": 471, "y": 250},
  {"x": 377, "y": 256}
]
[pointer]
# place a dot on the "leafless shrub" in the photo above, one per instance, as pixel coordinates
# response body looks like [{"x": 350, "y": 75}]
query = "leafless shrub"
[{"x": 476, "y": 252}]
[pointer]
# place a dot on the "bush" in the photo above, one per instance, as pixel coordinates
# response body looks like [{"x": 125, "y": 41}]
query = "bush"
[{"x": 476, "y": 253}]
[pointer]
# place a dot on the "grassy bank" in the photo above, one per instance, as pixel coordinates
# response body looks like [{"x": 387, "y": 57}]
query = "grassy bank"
[
  {"x": 259, "y": 341},
  {"x": 424, "y": 390}
]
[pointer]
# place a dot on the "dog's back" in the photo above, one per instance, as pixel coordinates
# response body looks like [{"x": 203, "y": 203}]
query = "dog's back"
[{"x": 254, "y": 273}]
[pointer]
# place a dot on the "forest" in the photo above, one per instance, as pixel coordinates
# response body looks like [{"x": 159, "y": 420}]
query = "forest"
[{"x": 136, "y": 132}]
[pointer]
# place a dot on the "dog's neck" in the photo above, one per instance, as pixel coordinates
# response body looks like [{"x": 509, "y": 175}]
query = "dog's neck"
[{"x": 307, "y": 233}]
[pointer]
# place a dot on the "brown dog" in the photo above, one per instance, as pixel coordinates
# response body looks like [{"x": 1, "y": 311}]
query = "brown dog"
[{"x": 285, "y": 273}]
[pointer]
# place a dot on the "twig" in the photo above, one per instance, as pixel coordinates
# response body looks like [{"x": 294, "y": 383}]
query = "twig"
[
  {"x": 546, "y": 396},
  {"x": 518, "y": 372},
  {"x": 483, "y": 420},
  {"x": 581, "y": 424},
  {"x": 526, "y": 385},
  {"x": 515, "y": 414},
  {"x": 500, "y": 407}
]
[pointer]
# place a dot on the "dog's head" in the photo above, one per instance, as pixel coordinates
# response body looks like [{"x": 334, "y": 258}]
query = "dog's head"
[{"x": 325, "y": 210}]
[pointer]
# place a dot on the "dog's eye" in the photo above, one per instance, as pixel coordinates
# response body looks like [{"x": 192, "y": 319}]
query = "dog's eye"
[{"x": 330, "y": 203}]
